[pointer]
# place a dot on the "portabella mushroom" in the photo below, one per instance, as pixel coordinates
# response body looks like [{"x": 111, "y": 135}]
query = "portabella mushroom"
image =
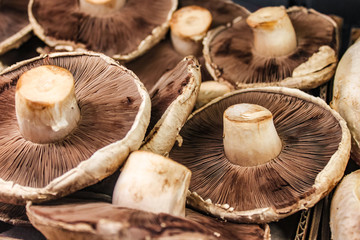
[
  {"x": 15, "y": 28},
  {"x": 154, "y": 187},
  {"x": 69, "y": 120},
  {"x": 151, "y": 66},
  {"x": 259, "y": 155},
  {"x": 345, "y": 208},
  {"x": 345, "y": 95},
  {"x": 122, "y": 29},
  {"x": 172, "y": 100},
  {"x": 274, "y": 46}
]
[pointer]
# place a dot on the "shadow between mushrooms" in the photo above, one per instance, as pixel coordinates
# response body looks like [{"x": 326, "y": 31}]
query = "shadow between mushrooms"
[
  {"x": 311, "y": 159},
  {"x": 114, "y": 112},
  {"x": 120, "y": 29},
  {"x": 259, "y": 56},
  {"x": 15, "y": 28}
]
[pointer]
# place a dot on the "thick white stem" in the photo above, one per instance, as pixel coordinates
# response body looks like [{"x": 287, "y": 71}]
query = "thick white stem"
[
  {"x": 100, "y": 7},
  {"x": 274, "y": 34},
  {"x": 188, "y": 26},
  {"x": 151, "y": 182},
  {"x": 45, "y": 103},
  {"x": 250, "y": 137}
]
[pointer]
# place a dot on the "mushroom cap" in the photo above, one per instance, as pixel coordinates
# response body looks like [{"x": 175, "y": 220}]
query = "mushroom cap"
[
  {"x": 15, "y": 28},
  {"x": 229, "y": 56},
  {"x": 173, "y": 98},
  {"x": 151, "y": 66},
  {"x": 115, "y": 111},
  {"x": 345, "y": 95},
  {"x": 99, "y": 220},
  {"x": 316, "y": 145},
  {"x": 138, "y": 26},
  {"x": 345, "y": 208}
]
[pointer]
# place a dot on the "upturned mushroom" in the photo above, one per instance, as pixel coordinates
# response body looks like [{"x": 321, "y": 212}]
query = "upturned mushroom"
[
  {"x": 122, "y": 29},
  {"x": 274, "y": 46},
  {"x": 345, "y": 95},
  {"x": 345, "y": 208},
  {"x": 259, "y": 155},
  {"x": 68, "y": 121},
  {"x": 202, "y": 14},
  {"x": 172, "y": 100},
  {"x": 148, "y": 202},
  {"x": 15, "y": 28}
]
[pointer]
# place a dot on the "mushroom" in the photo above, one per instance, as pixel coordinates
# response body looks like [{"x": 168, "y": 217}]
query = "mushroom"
[
  {"x": 273, "y": 46},
  {"x": 210, "y": 90},
  {"x": 172, "y": 100},
  {"x": 122, "y": 29},
  {"x": 345, "y": 95},
  {"x": 15, "y": 28},
  {"x": 148, "y": 201},
  {"x": 151, "y": 66},
  {"x": 345, "y": 208},
  {"x": 54, "y": 143},
  {"x": 259, "y": 155}
]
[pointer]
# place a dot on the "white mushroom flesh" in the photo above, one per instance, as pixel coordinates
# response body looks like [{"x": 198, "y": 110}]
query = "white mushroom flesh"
[
  {"x": 45, "y": 102},
  {"x": 189, "y": 26},
  {"x": 250, "y": 137},
  {"x": 274, "y": 34},
  {"x": 151, "y": 182}
]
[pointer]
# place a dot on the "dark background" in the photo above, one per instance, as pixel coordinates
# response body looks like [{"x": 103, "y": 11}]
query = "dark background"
[{"x": 346, "y": 9}]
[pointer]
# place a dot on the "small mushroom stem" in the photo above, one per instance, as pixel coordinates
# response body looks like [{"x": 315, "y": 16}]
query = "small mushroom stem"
[
  {"x": 46, "y": 107},
  {"x": 188, "y": 26},
  {"x": 250, "y": 137},
  {"x": 100, "y": 7},
  {"x": 274, "y": 34},
  {"x": 151, "y": 182}
]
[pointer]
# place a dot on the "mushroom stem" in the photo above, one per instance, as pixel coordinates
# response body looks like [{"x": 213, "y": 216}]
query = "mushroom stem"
[
  {"x": 100, "y": 7},
  {"x": 151, "y": 182},
  {"x": 250, "y": 137},
  {"x": 210, "y": 90},
  {"x": 46, "y": 107},
  {"x": 274, "y": 34},
  {"x": 188, "y": 26}
]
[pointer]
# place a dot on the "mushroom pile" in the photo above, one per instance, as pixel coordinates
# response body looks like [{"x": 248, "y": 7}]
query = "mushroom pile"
[{"x": 93, "y": 149}]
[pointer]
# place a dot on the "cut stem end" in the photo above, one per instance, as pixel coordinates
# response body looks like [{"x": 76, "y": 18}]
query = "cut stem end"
[{"x": 250, "y": 137}]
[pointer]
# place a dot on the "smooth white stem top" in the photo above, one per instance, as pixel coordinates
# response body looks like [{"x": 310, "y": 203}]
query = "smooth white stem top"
[
  {"x": 45, "y": 103},
  {"x": 151, "y": 182},
  {"x": 188, "y": 26},
  {"x": 274, "y": 34},
  {"x": 250, "y": 137}
]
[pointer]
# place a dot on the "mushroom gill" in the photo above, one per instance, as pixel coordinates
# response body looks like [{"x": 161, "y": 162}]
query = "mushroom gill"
[
  {"x": 111, "y": 102},
  {"x": 311, "y": 135},
  {"x": 15, "y": 27},
  {"x": 232, "y": 54},
  {"x": 137, "y": 25}
]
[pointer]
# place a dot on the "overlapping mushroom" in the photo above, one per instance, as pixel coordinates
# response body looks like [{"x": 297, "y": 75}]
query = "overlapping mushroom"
[
  {"x": 274, "y": 46},
  {"x": 69, "y": 120},
  {"x": 122, "y": 29},
  {"x": 259, "y": 155}
]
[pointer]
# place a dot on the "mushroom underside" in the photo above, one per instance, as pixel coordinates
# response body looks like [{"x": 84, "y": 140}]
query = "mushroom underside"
[
  {"x": 234, "y": 60},
  {"x": 108, "y": 110},
  {"x": 130, "y": 25},
  {"x": 310, "y": 136}
]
